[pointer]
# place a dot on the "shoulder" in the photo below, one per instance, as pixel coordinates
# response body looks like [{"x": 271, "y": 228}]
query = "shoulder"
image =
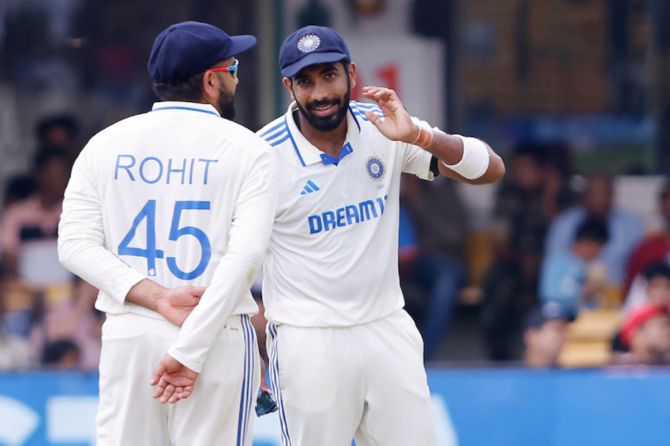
[
  {"x": 118, "y": 128},
  {"x": 358, "y": 110},
  {"x": 275, "y": 132}
]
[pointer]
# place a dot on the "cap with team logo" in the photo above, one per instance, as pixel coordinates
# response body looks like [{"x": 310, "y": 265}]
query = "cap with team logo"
[
  {"x": 187, "y": 48},
  {"x": 311, "y": 45}
]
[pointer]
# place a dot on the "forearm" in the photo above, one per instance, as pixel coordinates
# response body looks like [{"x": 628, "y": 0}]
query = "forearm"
[
  {"x": 99, "y": 267},
  {"x": 147, "y": 294},
  {"x": 230, "y": 284},
  {"x": 449, "y": 149}
]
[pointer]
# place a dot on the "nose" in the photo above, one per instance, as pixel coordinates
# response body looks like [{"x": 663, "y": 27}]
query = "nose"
[{"x": 320, "y": 92}]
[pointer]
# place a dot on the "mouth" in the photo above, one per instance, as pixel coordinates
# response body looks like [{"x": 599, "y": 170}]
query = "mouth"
[{"x": 324, "y": 109}]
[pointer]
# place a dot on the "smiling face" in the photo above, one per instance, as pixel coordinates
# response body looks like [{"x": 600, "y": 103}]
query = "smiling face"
[{"x": 322, "y": 93}]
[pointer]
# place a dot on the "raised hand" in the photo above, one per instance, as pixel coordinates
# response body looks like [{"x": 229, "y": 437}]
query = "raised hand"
[
  {"x": 176, "y": 304},
  {"x": 174, "y": 380},
  {"x": 397, "y": 124}
]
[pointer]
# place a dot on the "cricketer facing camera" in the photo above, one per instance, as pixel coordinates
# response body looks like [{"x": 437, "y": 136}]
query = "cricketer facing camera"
[
  {"x": 159, "y": 206},
  {"x": 345, "y": 358}
]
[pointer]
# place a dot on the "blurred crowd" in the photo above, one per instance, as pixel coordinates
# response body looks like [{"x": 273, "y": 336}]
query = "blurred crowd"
[
  {"x": 571, "y": 280},
  {"x": 559, "y": 276}
]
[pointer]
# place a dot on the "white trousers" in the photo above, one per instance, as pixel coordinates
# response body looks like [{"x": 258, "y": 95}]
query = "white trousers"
[
  {"x": 365, "y": 382},
  {"x": 218, "y": 412}
]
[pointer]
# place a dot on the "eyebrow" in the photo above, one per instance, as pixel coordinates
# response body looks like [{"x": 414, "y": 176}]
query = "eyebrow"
[{"x": 329, "y": 66}]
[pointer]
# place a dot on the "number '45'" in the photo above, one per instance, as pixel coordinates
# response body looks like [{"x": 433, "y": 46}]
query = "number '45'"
[{"x": 148, "y": 213}]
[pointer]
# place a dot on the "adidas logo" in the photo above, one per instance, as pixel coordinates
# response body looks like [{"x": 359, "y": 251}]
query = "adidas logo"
[{"x": 309, "y": 188}]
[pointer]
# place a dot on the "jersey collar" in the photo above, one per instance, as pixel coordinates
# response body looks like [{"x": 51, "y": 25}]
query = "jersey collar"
[
  {"x": 185, "y": 106},
  {"x": 308, "y": 153}
]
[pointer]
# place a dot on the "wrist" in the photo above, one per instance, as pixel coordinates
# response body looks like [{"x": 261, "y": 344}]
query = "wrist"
[
  {"x": 148, "y": 294},
  {"x": 423, "y": 138}
]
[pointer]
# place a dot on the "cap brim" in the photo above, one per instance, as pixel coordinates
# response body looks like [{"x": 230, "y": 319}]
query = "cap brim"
[
  {"x": 240, "y": 44},
  {"x": 312, "y": 59}
]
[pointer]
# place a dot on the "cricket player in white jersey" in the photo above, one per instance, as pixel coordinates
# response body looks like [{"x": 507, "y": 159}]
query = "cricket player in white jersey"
[
  {"x": 159, "y": 206},
  {"x": 345, "y": 358}
]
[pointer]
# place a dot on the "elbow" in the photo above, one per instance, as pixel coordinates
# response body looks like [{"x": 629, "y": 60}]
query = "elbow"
[
  {"x": 63, "y": 255},
  {"x": 494, "y": 173},
  {"x": 497, "y": 169}
]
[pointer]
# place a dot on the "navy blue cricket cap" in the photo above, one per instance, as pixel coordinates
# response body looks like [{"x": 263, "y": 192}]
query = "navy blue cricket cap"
[
  {"x": 187, "y": 48},
  {"x": 311, "y": 45}
]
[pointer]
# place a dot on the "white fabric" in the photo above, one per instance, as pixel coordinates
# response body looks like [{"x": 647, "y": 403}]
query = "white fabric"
[
  {"x": 366, "y": 381},
  {"x": 213, "y": 414},
  {"x": 475, "y": 160},
  {"x": 188, "y": 179},
  {"x": 332, "y": 255}
]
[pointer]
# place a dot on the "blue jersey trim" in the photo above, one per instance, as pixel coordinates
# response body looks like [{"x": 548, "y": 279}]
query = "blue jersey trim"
[
  {"x": 209, "y": 112},
  {"x": 272, "y": 129},
  {"x": 281, "y": 132},
  {"x": 281, "y": 140},
  {"x": 295, "y": 146}
]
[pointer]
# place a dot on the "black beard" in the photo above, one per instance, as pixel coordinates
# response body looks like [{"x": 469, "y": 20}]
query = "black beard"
[
  {"x": 226, "y": 105},
  {"x": 329, "y": 123}
]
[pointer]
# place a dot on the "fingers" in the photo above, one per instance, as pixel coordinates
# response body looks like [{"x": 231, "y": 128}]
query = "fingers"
[
  {"x": 379, "y": 93},
  {"x": 160, "y": 371},
  {"x": 373, "y": 118},
  {"x": 180, "y": 394},
  {"x": 167, "y": 393},
  {"x": 161, "y": 389}
]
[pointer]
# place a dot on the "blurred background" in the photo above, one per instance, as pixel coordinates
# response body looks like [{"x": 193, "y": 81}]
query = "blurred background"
[{"x": 542, "y": 300}]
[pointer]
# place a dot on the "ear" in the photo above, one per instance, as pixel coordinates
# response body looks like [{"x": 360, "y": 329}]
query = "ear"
[
  {"x": 209, "y": 84},
  {"x": 288, "y": 85},
  {"x": 352, "y": 74}
]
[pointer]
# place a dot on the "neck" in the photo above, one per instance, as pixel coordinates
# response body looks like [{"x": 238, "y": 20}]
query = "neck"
[{"x": 329, "y": 142}]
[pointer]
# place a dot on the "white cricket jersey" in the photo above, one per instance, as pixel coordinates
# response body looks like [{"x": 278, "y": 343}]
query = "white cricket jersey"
[
  {"x": 177, "y": 195},
  {"x": 333, "y": 254}
]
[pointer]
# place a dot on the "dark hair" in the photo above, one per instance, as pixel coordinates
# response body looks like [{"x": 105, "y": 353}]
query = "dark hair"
[
  {"x": 55, "y": 351},
  {"x": 65, "y": 120},
  {"x": 656, "y": 269},
  {"x": 180, "y": 90},
  {"x": 47, "y": 154},
  {"x": 19, "y": 187},
  {"x": 593, "y": 229},
  {"x": 530, "y": 149}
]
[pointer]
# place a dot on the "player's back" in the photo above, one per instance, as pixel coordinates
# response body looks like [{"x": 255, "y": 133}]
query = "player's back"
[{"x": 168, "y": 181}]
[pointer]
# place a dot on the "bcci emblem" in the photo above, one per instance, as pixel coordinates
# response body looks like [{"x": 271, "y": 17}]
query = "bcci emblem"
[
  {"x": 309, "y": 43},
  {"x": 375, "y": 168}
]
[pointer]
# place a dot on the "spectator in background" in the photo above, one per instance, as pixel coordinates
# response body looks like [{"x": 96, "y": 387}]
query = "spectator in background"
[
  {"x": 59, "y": 131},
  {"x": 520, "y": 202},
  {"x": 625, "y": 230},
  {"x": 572, "y": 277},
  {"x": 544, "y": 334},
  {"x": 646, "y": 332},
  {"x": 652, "y": 286},
  {"x": 509, "y": 292},
  {"x": 74, "y": 319},
  {"x": 28, "y": 232},
  {"x": 655, "y": 246},
  {"x": 433, "y": 228},
  {"x": 36, "y": 217},
  {"x": 520, "y": 223}
]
